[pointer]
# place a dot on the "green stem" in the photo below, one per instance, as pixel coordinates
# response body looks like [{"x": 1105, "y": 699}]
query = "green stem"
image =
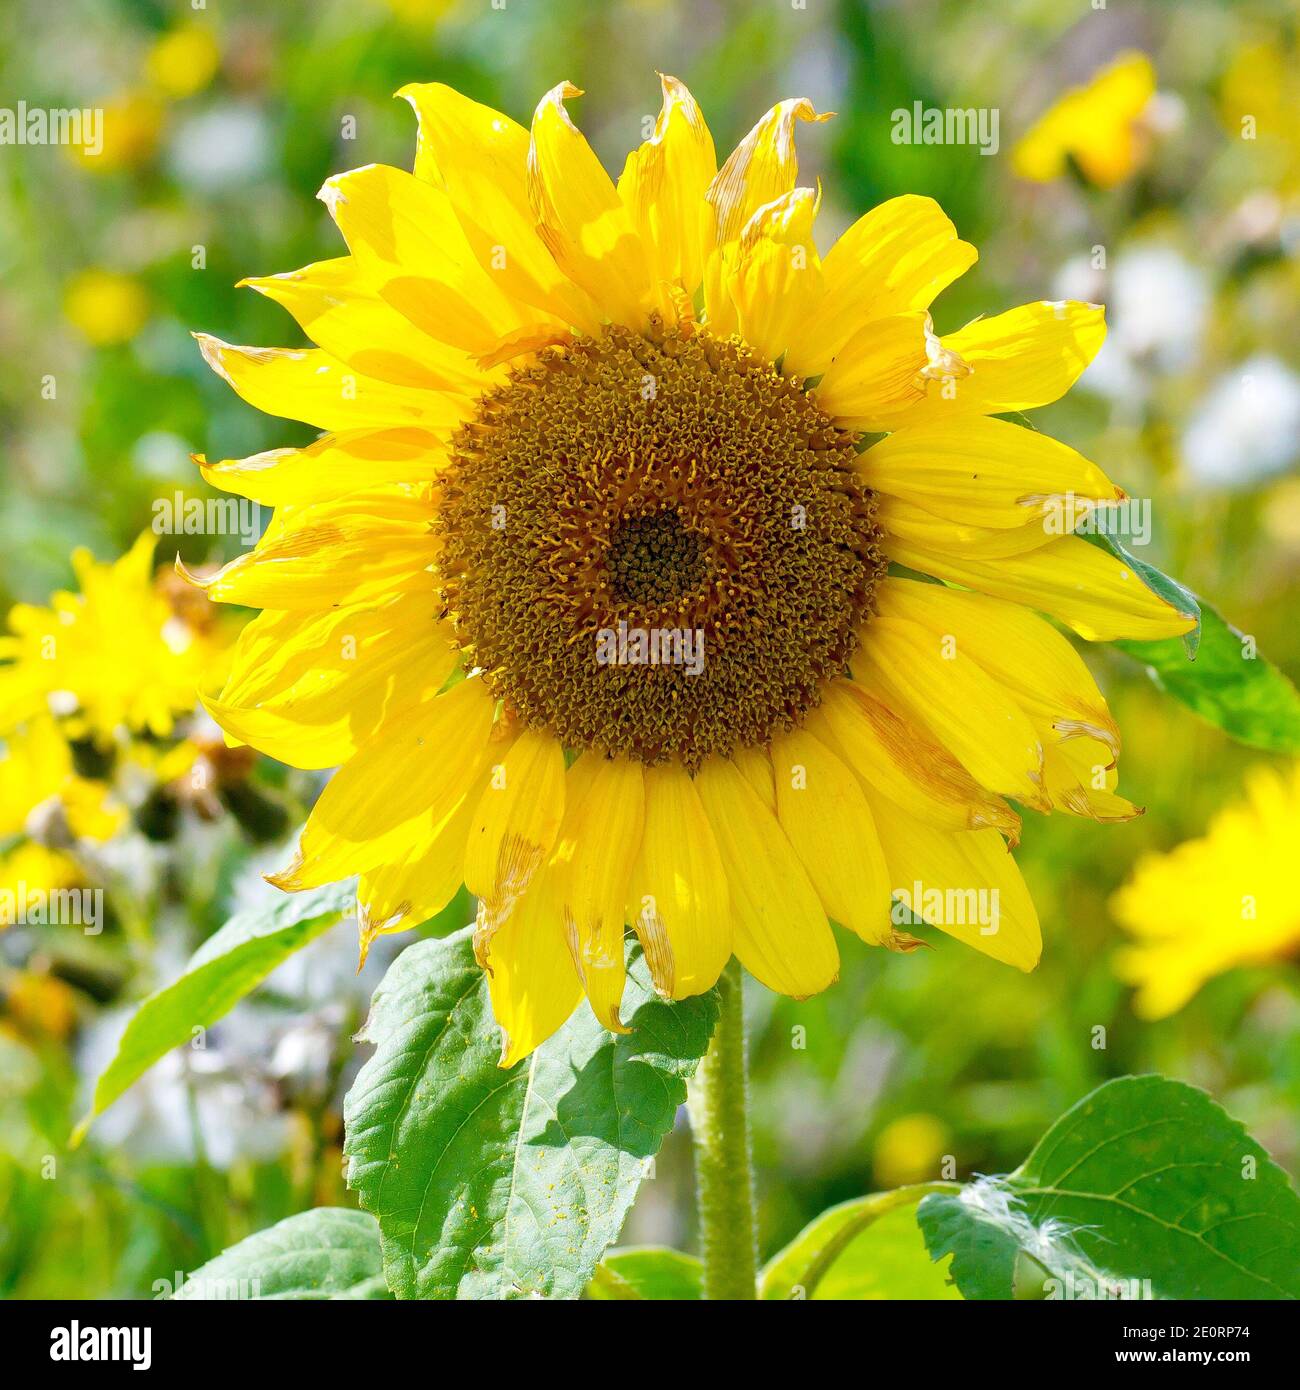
[{"x": 724, "y": 1175}]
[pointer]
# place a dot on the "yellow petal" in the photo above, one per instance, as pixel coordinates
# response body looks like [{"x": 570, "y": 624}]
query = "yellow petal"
[
  {"x": 677, "y": 898},
  {"x": 900, "y": 761},
  {"x": 777, "y": 273},
  {"x": 663, "y": 186},
  {"x": 895, "y": 258},
  {"x": 582, "y": 220},
  {"x": 308, "y": 384},
  {"x": 1080, "y": 776},
  {"x": 406, "y": 234},
  {"x": 982, "y": 899},
  {"x": 877, "y": 373},
  {"x": 531, "y": 978},
  {"x": 479, "y": 157},
  {"x": 985, "y": 472},
  {"x": 365, "y": 546},
  {"x": 904, "y": 521},
  {"x": 384, "y": 799},
  {"x": 1082, "y": 585},
  {"x": 340, "y": 310},
  {"x": 826, "y": 818},
  {"x": 597, "y": 847},
  {"x": 762, "y": 168},
  {"x": 1028, "y": 657},
  {"x": 780, "y": 931},
  {"x": 310, "y": 688},
  {"x": 516, "y": 821},
  {"x": 331, "y": 466},
  {"x": 419, "y": 881},
  {"x": 1024, "y": 358},
  {"x": 937, "y": 684},
  {"x": 756, "y": 767}
]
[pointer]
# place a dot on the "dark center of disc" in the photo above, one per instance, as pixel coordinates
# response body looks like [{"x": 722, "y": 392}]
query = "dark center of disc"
[
  {"x": 655, "y": 559},
  {"x": 655, "y": 545}
]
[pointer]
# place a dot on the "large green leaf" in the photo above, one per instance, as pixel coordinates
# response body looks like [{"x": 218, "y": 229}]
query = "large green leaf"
[
  {"x": 647, "y": 1272},
  {"x": 221, "y": 972},
  {"x": 327, "y": 1253},
  {"x": 1227, "y": 684},
  {"x": 506, "y": 1184},
  {"x": 1145, "y": 1181},
  {"x": 887, "y": 1261},
  {"x": 796, "y": 1271}
]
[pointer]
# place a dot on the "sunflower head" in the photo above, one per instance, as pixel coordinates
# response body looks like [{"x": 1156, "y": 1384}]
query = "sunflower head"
[{"x": 586, "y": 586}]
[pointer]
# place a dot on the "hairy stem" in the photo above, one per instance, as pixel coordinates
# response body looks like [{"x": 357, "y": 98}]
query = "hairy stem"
[{"x": 724, "y": 1176}]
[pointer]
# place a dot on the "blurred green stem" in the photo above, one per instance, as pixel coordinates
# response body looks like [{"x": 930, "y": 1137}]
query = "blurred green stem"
[{"x": 724, "y": 1174}]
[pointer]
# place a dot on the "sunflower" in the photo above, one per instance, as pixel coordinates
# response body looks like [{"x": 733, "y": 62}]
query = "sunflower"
[
  {"x": 1212, "y": 904},
  {"x": 123, "y": 653},
  {"x": 587, "y": 585}
]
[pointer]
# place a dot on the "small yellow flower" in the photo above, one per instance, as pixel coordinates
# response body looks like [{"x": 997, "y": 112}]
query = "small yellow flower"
[
  {"x": 1099, "y": 125},
  {"x": 36, "y": 769},
  {"x": 1260, "y": 106},
  {"x": 40, "y": 1004},
  {"x": 132, "y": 125},
  {"x": 183, "y": 61},
  {"x": 910, "y": 1149},
  {"x": 599, "y": 447},
  {"x": 105, "y": 307},
  {"x": 41, "y": 793},
  {"x": 114, "y": 655},
  {"x": 1230, "y": 898}
]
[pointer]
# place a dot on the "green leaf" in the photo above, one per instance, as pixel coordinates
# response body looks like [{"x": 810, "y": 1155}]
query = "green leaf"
[
  {"x": 504, "y": 1184},
  {"x": 1178, "y": 596},
  {"x": 1213, "y": 669},
  {"x": 1146, "y": 1179},
  {"x": 796, "y": 1271},
  {"x": 221, "y": 972},
  {"x": 1241, "y": 693},
  {"x": 327, "y": 1253},
  {"x": 647, "y": 1272},
  {"x": 887, "y": 1261}
]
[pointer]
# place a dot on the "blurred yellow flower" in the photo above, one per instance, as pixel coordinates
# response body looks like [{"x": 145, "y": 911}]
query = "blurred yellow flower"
[
  {"x": 1230, "y": 898},
  {"x": 132, "y": 125},
  {"x": 419, "y": 11},
  {"x": 35, "y": 769},
  {"x": 39, "y": 1003},
  {"x": 114, "y": 655},
  {"x": 1260, "y": 105},
  {"x": 909, "y": 1149},
  {"x": 105, "y": 307},
  {"x": 41, "y": 793},
  {"x": 1100, "y": 126},
  {"x": 183, "y": 61}
]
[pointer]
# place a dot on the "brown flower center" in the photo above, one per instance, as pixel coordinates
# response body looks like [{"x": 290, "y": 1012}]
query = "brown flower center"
[{"x": 656, "y": 545}]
